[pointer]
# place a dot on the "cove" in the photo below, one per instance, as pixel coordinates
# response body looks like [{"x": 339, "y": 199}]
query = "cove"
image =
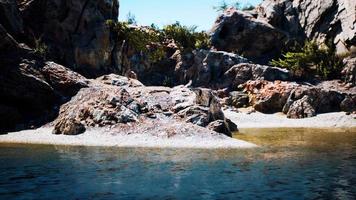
[{"x": 291, "y": 164}]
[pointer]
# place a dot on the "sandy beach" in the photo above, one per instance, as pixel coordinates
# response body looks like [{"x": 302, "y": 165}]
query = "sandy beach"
[
  {"x": 279, "y": 120},
  {"x": 101, "y": 137}
]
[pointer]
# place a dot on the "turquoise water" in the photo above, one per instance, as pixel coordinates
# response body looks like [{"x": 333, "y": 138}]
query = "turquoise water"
[{"x": 293, "y": 171}]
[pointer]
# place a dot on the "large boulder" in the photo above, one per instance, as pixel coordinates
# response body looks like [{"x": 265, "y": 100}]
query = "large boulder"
[
  {"x": 322, "y": 100},
  {"x": 74, "y": 32},
  {"x": 301, "y": 108},
  {"x": 241, "y": 32},
  {"x": 268, "y": 97},
  {"x": 241, "y": 73}
]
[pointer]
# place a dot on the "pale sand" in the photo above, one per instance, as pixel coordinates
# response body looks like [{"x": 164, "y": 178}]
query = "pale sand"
[
  {"x": 279, "y": 120},
  {"x": 100, "y": 137}
]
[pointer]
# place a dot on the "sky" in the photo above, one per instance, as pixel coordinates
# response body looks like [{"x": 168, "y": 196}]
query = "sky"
[{"x": 163, "y": 12}]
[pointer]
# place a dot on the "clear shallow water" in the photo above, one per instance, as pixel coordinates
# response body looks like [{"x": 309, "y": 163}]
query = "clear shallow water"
[{"x": 298, "y": 165}]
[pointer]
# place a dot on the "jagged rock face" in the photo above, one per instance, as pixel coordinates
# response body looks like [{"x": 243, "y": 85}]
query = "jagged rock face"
[
  {"x": 329, "y": 19},
  {"x": 74, "y": 31},
  {"x": 7, "y": 42},
  {"x": 263, "y": 32},
  {"x": 241, "y": 32},
  {"x": 31, "y": 88},
  {"x": 10, "y": 17}
]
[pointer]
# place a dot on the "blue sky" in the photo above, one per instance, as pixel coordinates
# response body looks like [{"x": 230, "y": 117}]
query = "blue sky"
[{"x": 162, "y": 12}]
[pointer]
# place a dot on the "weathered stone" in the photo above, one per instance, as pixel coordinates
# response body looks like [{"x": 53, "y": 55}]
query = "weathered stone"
[
  {"x": 69, "y": 127},
  {"x": 64, "y": 81}
]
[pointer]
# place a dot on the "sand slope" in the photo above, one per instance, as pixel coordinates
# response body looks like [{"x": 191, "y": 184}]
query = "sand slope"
[{"x": 101, "y": 137}]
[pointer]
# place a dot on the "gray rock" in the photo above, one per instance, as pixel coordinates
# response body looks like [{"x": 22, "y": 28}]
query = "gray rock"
[
  {"x": 349, "y": 71},
  {"x": 127, "y": 116},
  {"x": 301, "y": 108},
  {"x": 241, "y": 73},
  {"x": 222, "y": 126},
  {"x": 69, "y": 127},
  {"x": 238, "y": 99},
  {"x": 349, "y": 103}
]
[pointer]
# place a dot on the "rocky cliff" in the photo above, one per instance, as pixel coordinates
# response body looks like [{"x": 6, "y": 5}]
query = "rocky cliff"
[
  {"x": 272, "y": 26},
  {"x": 73, "y": 33}
]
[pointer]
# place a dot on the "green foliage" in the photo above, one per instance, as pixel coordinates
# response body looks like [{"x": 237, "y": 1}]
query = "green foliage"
[
  {"x": 151, "y": 41},
  {"x": 41, "y": 48},
  {"x": 145, "y": 40},
  {"x": 167, "y": 81},
  {"x": 186, "y": 37},
  {"x": 221, "y": 7},
  {"x": 312, "y": 58},
  {"x": 237, "y": 5}
]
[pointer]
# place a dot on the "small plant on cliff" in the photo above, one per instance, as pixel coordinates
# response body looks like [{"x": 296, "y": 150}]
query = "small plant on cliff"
[
  {"x": 312, "y": 58},
  {"x": 41, "y": 48}
]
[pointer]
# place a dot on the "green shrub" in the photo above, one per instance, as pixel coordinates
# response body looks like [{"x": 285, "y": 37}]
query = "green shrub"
[
  {"x": 237, "y": 5},
  {"x": 186, "y": 37},
  {"x": 145, "y": 40},
  {"x": 311, "y": 59},
  {"x": 152, "y": 41}
]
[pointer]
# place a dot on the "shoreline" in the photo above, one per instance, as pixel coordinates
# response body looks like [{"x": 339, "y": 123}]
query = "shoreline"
[
  {"x": 257, "y": 120},
  {"x": 103, "y": 138}
]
